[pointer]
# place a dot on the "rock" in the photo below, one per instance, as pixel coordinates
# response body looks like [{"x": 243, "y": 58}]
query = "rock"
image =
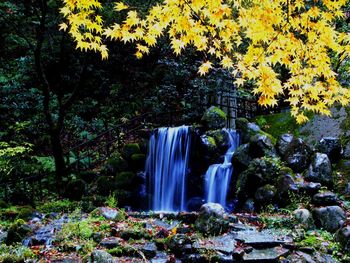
[
  {"x": 224, "y": 244},
  {"x": 284, "y": 185},
  {"x": 125, "y": 180},
  {"x": 149, "y": 250},
  {"x": 241, "y": 158},
  {"x": 249, "y": 206},
  {"x": 330, "y": 146},
  {"x": 214, "y": 118},
  {"x": 320, "y": 170},
  {"x": 221, "y": 138},
  {"x": 110, "y": 242},
  {"x": 177, "y": 244},
  {"x": 261, "y": 171},
  {"x": 329, "y": 218},
  {"x": 17, "y": 232},
  {"x": 325, "y": 198},
  {"x": 261, "y": 145},
  {"x": 343, "y": 237},
  {"x": 294, "y": 151},
  {"x": 309, "y": 188},
  {"x": 108, "y": 213},
  {"x": 75, "y": 189},
  {"x": 304, "y": 217},
  {"x": 100, "y": 256},
  {"x": 247, "y": 129},
  {"x": 263, "y": 239},
  {"x": 265, "y": 194},
  {"x": 212, "y": 219},
  {"x": 266, "y": 255},
  {"x": 208, "y": 144}
]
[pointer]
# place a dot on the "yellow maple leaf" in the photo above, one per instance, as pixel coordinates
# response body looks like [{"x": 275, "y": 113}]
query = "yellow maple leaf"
[
  {"x": 63, "y": 27},
  {"x": 204, "y": 68},
  {"x": 119, "y": 6}
]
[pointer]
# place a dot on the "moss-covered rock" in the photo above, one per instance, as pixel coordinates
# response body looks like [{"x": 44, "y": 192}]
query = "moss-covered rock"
[
  {"x": 75, "y": 189},
  {"x": 214, "y": 118},
  {"x": 261, "y": 145},
  {"x": 221, "y": 138},
  {"x": 130, "y": 149},
  {"x": 241, "y": 158},
  {"x": 17, "y": 232},
  {"x": 4, "y": 204},
  {"x": 265, "y": 195},
  {"x": 212, "y": 219},
  {"x": 138, "y": 161},
  {"x": 25, "y": 212}
]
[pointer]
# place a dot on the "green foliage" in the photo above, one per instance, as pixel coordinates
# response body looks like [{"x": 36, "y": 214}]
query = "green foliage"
[
  {"x": 297, "y": 201},
  {"x": 58, "y": 206},
  {"x": 11, "y": 254},
  {"x": 130, "y": 149},
  {"x": 111, "y": 201}
]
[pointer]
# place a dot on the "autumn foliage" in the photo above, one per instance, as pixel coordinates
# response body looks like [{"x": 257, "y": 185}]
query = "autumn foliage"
[{"x": 253, "y": 39}]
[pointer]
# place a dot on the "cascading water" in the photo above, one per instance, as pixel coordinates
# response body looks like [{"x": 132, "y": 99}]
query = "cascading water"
[
  {"x": 166, "y": 166},
  {"x": 218, "y": 176}
]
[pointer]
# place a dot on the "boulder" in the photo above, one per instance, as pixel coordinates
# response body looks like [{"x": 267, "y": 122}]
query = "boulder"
[
  {"x": 108, "y": 213},
  {"x": 195, "y": 203},
  {"x": 138, "y": 161},
  {"x": 221, "y": 138},
  {"x": 343, "y": 237},
  {"x": 208, "y": 143},
  {"x": 214, "y": 118},
  {"x": 330, "y": 146},
  {"x": 320, "y": 170},
  {"x": 247, "y": 129},
  {"x": 100, "y": 256},
  {"x": 329, "y": 218},
  {"x": 17, "y": 232},
  {"x": 249, "y": 206},
  {"x": 125, "y": 180},
  {"x": 325, "y": 198},
  {"x": 241, "y": 158},
  {"x": 294, "y": 151},
  {"x": 285, "y": 183},
  {"x": 178, "y": 244},
  {"x": 261, "y": 145},
  {"x": 212, "y": 219},
  {"x": 260, "y": 171},
  {"x": 265, "y": 194},
  {"x": 304, "y": 217}
]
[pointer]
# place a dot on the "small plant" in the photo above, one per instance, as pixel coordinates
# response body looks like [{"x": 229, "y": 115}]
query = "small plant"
[
  {"x": 58, "y": 206},
  {"x": 111, "y": 201},
  {"x": 298, "y": 201}
]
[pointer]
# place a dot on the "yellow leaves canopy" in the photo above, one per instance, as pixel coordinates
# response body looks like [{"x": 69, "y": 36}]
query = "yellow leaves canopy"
[{"x": 251, "y": 38}]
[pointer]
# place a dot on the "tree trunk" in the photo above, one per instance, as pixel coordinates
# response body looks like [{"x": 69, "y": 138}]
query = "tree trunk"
[{"x": 58, "y": 155}]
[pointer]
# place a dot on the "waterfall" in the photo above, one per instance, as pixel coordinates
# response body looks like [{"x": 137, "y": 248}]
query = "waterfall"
[
  {"x": 166, "y": 166},
  {"x": 218, "y": 176}
]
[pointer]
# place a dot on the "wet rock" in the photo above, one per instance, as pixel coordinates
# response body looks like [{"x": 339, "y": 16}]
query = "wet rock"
[
  {"x": 343, "y": 237},
  {"x": 209, "y": 146},
  {"x": 3, "y": 237},
  {"x": 329, "y": 218},
  {"x": 309, "y": 188},
  {"x": 304, "y": 217},
  {"x": 241, "y": 158},
  {"x": 177, "y": 244},
  {"x": 294, "y": 151},
  {"x": 221, "y": 138},
  {"x": 261, "y": 145},
  {"x": 325, "y": 198},
  {"x": 100, "y": 256},
  {"x": 264, "y": 239},
  {"x": 320, "y": 170},
  {"x": 212, "y": 219},
  {"x": 149, "y": 250},
  {"x": 265, "y": 255},
  {"x": 249, "y": 206},
  {"x": 284, "y": 185},
  {"x": 161, "y": 257},
  {"x": 17, "y": 232},
  {"x": 214, "y": 118},
  {"x": 330, "y": 146},
  {"x": 299, "y": 256},
  {"x": 224, "y": 244},
  {"x": 265, "y": 194},
  {"x": 247, "y": 129},
  {"x": 110, "y": 242},
  {"x": 108, "y": 213}
]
